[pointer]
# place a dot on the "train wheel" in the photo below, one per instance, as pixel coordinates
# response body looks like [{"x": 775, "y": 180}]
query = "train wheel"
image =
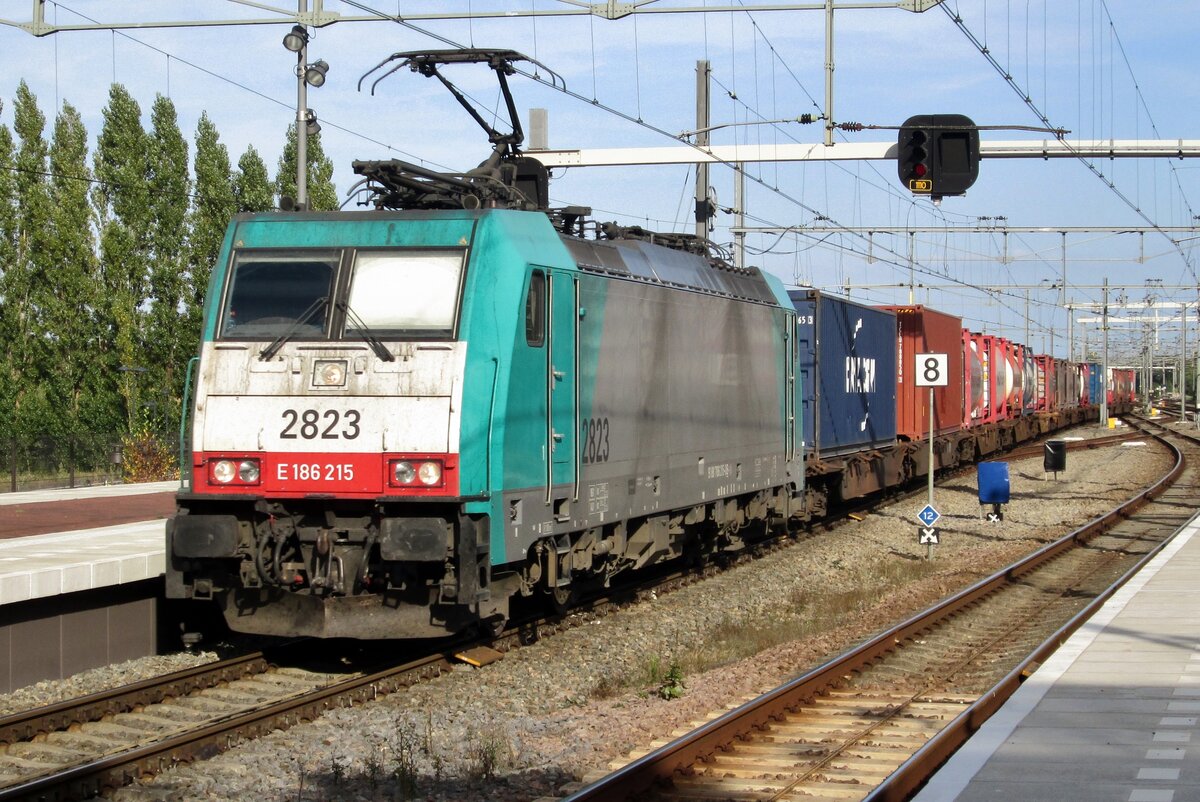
[
  {"x": 493, "y": 627},
  {"x": 562, "y": 599}
]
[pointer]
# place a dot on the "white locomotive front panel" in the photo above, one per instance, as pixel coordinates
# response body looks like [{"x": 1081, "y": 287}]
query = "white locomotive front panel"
[{"x": 328, "y": 420}]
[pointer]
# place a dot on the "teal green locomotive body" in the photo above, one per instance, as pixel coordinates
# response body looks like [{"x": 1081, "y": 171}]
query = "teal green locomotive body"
[{"x": 403, "y": 421}]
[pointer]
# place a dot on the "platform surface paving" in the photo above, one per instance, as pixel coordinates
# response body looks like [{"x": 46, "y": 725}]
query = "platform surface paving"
[
  {"x": 80, "y": 556},
  {"x": 1112, "y": 715}
]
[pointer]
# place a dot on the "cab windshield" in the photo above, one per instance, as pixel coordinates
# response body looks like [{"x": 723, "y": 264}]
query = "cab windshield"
[
  {"x": 404, "y": 293},
  {"x": 332, "y": 294},
  {"x": 272, "y": 292}
]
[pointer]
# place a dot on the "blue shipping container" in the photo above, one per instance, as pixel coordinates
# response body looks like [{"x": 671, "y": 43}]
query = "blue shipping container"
[
  {"x": 848, "y": 373},
  {"x": 1095, "y": 384}
]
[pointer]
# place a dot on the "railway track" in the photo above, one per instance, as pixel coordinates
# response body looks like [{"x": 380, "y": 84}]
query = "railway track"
[
  {"x": 1035, "y": 449},
  {"x": 82, "y": 747},
  {"x": 875, "y": 722},
  {"x": 1171, "y": 408}
]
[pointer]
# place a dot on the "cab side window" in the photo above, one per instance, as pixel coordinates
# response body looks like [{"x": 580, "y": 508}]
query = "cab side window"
[{"x": 535, "y": 310}]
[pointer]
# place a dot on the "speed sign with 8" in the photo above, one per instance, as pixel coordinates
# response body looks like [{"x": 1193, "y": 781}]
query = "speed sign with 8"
[{"x": 932, "y": 370}]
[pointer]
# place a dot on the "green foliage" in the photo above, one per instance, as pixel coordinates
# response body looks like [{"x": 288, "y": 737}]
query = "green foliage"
[
  {"x": 672, "y": 686},
  {"x": 76, "y": 343},
  {"x": 487, "y": 753},
  {"x": 657, "y": 677},
  {"x": 252, "y": 185},
  {"x": 214, "y": 205},
  {"x": 9, "y": 331},
  {"x": 337, "y": 768},
  {"x": 404, "y": 751},
  {"x": 123, "y": 202},
  {"x": 166, "y": 346},
  {"x": 322, "y": 196},
  {"x": 28, "y": 281},
  {"x": 105, "y": 258}
]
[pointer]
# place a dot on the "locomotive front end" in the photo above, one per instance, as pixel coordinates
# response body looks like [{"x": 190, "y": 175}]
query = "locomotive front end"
[{"x": 326, "y": 492}]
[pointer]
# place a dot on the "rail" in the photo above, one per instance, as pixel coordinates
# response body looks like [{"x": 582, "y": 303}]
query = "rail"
[{"x": 640, "y": 777}]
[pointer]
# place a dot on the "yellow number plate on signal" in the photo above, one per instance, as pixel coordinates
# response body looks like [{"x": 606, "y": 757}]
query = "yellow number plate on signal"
[{"x": 920, "y": 185}]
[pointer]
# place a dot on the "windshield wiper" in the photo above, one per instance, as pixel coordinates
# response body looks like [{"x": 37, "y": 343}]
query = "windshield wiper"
[
  {"x": 270, "y": 351},
  {"x": 365, "y": 332}
]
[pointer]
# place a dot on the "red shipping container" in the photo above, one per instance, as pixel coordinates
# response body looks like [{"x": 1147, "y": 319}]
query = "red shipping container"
[
  {"x": 1047, "y": 396},
  {"x": 926, "y": 331},
  {"x": 975, "y": 378},
  {"x": 996, "y": 379}
]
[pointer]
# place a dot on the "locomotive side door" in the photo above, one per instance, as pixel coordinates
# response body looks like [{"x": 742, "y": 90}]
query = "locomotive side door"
[
  {"x": 562, "y": 392},
  {"x": 793, "y": 403}
]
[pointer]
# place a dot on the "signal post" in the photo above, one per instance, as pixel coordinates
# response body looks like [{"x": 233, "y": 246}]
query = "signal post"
[{"x": 932, "y": 370}]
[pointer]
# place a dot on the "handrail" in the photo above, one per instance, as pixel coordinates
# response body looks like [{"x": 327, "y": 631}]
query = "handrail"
[{"x": 184, "y": 478}]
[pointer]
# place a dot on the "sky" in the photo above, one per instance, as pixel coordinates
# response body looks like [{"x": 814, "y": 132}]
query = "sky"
[{"x": 1102, "y": 69}]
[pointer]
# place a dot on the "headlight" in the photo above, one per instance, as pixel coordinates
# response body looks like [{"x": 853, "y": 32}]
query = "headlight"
[
  {"x": 248, "y": 471},
  {"x": 418, "y": 473},
  {"x": 223, "y": 471},
  {"x": 329, "y": 373},
  {"x": 430, "y": 473},
  {"x": 403, "y": 472}
]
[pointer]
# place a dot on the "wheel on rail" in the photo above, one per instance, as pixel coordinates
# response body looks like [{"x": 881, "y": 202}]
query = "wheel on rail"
[
  {"x": 561, "y": 600},
  {"x": 493, "y": 627}
]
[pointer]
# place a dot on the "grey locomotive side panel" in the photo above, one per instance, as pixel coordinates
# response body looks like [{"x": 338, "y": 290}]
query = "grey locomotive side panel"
[
  {"x": 681, "y": 401},
  {"x": 687, "y": 396}
]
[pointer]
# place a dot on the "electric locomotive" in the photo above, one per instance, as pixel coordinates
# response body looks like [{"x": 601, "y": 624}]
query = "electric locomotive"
[{"x": 406, "y": 417}]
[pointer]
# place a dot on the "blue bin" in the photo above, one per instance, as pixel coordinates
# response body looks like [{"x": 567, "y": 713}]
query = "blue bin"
[{"x": 993, "y": 483}]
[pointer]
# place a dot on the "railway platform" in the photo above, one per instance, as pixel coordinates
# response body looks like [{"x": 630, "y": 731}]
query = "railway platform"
[
  {"x": 1112, "y": 715},
  {"x": 80, "y": 577},
  {"x": 40, "y": 512}
]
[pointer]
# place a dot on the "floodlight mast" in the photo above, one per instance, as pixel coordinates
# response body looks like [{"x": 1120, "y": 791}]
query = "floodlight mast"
[{"x": 296, "y": 41}]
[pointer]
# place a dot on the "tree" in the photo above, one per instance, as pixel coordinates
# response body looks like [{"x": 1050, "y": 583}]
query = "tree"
[
  {"x": 213, "y": 206},
  {"x": 322, "y": 195},
  {"x": 26, "y": 276},
  {"x": 252, "y": 187},
  {"x": 123, "y": 204},
  {"x": 9, "y": 328},
  {"x": 166, "y": 348},
  {"x": 76, "y": 383}
]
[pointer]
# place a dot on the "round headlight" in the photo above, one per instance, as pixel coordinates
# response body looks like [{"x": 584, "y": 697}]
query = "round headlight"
[
  {"x": 332, "y": 374},
  {"x": 248, "y": 470},
  {"x": 223, "y": 471},
  {"x": 430, "y": 473},
  {"x": 403, "y": 472}
]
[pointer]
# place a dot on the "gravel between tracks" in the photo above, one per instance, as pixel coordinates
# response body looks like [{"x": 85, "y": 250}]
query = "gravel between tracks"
[{"x": 550, "y": 713}]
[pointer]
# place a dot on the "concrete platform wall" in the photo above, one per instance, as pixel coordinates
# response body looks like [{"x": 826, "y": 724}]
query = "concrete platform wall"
[{"x": 56, "y": 636}]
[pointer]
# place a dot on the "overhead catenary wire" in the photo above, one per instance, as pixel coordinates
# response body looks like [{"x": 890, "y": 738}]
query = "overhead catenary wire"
[
  {"x": 854, "y": 244},
  {"x": 1006, "y": 73},
  {"x": 290, "y": 105},
  {"x": 617, "y": 112}
]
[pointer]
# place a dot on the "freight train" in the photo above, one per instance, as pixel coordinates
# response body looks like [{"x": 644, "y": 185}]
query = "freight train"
[{"x": 406, "y": 418}]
